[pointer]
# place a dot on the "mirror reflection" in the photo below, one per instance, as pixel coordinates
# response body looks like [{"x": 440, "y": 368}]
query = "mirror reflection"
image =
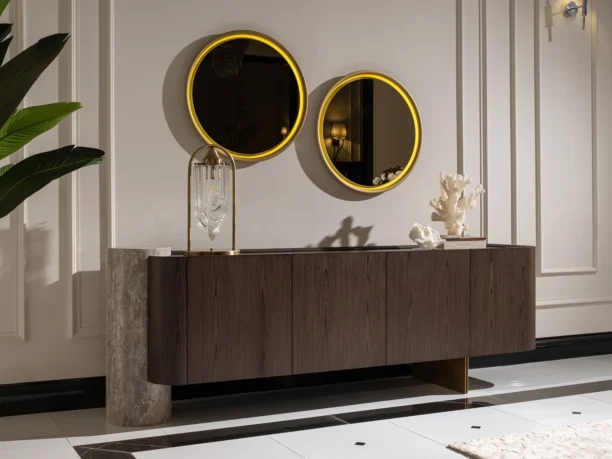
[
  {"x": 245, "y": 96},
  {"x": 370, "y": 133}
]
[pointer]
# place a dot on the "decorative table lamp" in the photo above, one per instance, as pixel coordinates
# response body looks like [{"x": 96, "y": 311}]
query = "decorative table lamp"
[{"x": 208, "y": 188}]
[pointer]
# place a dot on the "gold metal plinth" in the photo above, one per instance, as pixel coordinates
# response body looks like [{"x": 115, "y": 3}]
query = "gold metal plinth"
[
  {"x": 451, "y": 374},
  {"x": 204, "y": 253}
]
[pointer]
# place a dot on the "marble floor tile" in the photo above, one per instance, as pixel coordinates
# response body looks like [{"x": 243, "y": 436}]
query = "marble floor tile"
[
  {"x": 57, "y": 448},
  {"x": 29, "y": 426},
  {"x": 371, "y": 440},
  {"x": 96, "y": 439},
  {"x": 447, "y": 428},
  {"x": 223, "y": 424},
  {"x": 251, "y": 448},
  {"x": 577, "y": 419},
  {"x": 605, "y": 396},
  {"x": 87, "y": 423},
  {"x": 561, "y": 407}
]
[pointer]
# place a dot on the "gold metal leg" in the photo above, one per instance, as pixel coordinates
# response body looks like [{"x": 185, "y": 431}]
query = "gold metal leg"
[{"x": 451, "y": 374}]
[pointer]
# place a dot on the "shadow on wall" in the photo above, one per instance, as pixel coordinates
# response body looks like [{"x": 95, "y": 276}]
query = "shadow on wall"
[
  {"x": 309, "y": 155},
  {"x": 174, "y": 99},
  {"x": 346, "y": 234}
]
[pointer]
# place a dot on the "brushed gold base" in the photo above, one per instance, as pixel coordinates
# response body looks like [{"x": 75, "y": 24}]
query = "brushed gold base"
[
  {"x": 451, "y": 374},
  {"x": 203, "y": 253}
]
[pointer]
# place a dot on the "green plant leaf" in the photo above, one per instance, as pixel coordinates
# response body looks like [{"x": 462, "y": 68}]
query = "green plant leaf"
[
  {"x": 4, "y": 46},
  {"x": 3, "y": 169},
  {"x": 28, "y": 123},
  {"x": 19, "y": 74},
  {"x": 35, "y": 172},
  {"x": 3, "y": 5},
  {"x": 5, "y": 29}
]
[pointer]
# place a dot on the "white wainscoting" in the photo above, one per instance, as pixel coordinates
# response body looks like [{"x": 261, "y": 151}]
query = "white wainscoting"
[{"x": 500, "y": 102}]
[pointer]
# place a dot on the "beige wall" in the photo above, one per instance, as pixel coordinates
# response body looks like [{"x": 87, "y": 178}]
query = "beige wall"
[{"x": 518, "y": 116}]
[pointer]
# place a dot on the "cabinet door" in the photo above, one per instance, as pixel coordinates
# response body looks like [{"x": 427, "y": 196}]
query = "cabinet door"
[
  {"x": 339, "y": 311},
  {"x": 503, "y": 300},
  {"x": 428, "y": 305},
  {"x": 239, "y": 317}
]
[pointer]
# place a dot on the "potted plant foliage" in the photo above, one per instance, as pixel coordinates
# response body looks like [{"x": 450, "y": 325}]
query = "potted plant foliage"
[{"x": 19, "y": 126}]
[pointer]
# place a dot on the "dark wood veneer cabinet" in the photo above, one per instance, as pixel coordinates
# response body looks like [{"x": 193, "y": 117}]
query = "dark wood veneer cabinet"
[
  {"x": 503, "y": 301},
  {"x": 338, "y": 315},
  {"x": 272, "y": 313},
  {"x": 239, "y": 311},
  {"x": 428, "y": 305}
]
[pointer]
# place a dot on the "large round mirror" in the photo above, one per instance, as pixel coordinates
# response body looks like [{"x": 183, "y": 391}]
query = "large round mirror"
[
  {"x": 246, "y": 93},
  {"x": 369, "y": 132}
]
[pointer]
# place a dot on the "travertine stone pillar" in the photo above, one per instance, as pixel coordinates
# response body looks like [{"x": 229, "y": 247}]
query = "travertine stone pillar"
[{"x": 131, "y": 401}]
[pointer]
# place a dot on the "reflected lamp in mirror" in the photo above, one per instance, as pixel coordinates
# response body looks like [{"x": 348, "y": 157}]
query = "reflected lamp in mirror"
[
  {"x": 246, "y": 93},
  {"x": 377, "y": 143},
  {"x": 338, "y": 135}
]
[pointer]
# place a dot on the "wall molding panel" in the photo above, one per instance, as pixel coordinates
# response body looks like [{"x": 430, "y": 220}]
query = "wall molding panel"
[
  {"x": 469, "y": 99},
  {"x": 513, "y": 133},
  {"x": 573, "y": 302},
  {"x": 543, "y": 269},
  {"x": 70, "y": 15},
  {"x": 484, "y": 123},
  {"x": 17, "y": 14}
]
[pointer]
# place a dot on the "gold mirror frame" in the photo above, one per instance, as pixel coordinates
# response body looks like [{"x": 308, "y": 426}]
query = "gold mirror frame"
[
  {"x": 303, "y": 99},
  {"x": 417, "y": 130}
]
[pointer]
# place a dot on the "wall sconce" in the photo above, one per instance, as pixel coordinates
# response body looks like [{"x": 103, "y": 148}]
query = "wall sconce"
[
  {"x": 572, "y": 10},
  {"x": 284, "y": 131},
  {"x": 338, "y": 135}
]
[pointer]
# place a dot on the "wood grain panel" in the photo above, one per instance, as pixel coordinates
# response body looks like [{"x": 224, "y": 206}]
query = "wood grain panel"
[
  {"x": 502, "y": 300},
  {"x": 428, "y": 306},
  {"x": 167, "y": 290},
  {"x": 339, "y": 311},
  {"x": 239, "y": 317}
]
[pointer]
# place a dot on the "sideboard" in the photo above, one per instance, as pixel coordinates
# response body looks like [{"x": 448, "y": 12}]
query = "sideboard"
[{"x": 282, "y": 312}]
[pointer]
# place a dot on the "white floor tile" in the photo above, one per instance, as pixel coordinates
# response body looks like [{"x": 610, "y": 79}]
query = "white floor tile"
[
  {"x": 546, "y": 374},
  {"x": 516, "y": 378},
  {"x": 446, "y": 428},
  {"x": 336, "y": 410},
  {"x": 94, "y": 439},
  {"x": 87, "y": 423},
  {"x": 58, "y": 448},
  {"x": 437, "y": 398},
  {"x": 27, "y": 427},
  {"x": 224, "y": 424},
  {"x": 562, "y": 407},
  {"x": 605, "y": 396},
  {"x": 251, "y": 448},
  {"x": 576, "y": 370},
  {"x": 578, "y": 419},
  {"x": 382, "y": 440}
]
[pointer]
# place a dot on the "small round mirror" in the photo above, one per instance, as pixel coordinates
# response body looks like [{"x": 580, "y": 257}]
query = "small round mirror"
[
  {"x": 369, "y": 132},
  {"x": 246, "y": 93}
]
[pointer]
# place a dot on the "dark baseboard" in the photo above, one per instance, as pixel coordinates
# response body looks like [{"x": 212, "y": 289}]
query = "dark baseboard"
[{"x": 78, "y": 394}]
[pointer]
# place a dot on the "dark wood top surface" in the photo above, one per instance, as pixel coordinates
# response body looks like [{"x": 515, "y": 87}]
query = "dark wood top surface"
[{"x": 314, "y": 250}]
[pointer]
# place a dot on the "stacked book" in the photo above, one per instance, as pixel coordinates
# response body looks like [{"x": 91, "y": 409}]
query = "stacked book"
[{"x": 464, "y": 242}]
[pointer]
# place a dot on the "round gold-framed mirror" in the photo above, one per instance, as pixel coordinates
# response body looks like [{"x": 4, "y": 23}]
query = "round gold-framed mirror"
[
  {"x": 247, "y": 93},
  {"x": 369, "y": 132}
]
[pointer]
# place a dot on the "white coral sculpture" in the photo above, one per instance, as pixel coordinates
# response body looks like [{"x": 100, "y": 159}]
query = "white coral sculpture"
[
  {"x": 425, "y": 236},
  {"x": 453, "y": 203}
]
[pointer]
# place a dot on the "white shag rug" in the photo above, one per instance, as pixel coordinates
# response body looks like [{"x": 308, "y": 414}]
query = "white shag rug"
[{"x": 592, "y": 440}]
